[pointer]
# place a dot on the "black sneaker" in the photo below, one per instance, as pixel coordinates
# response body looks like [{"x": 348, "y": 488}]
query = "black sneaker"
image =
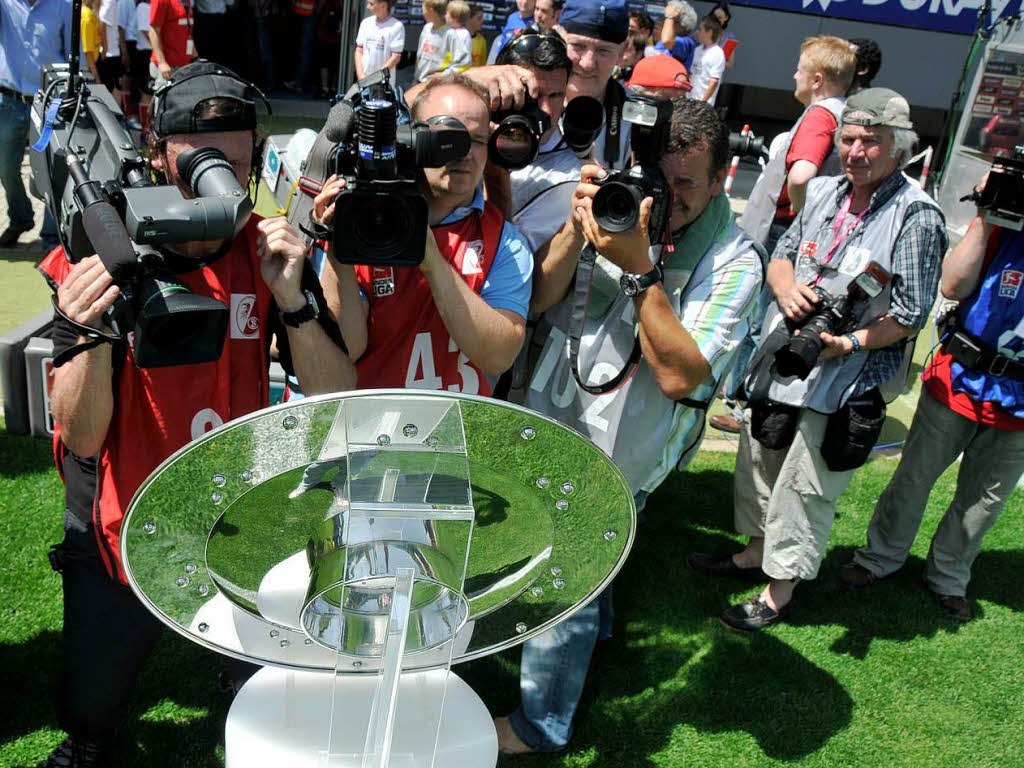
[
  {"x": 752, "y": 615},
  {"x": 75, "y": 753},
  {"x": 10, "y": 236}
]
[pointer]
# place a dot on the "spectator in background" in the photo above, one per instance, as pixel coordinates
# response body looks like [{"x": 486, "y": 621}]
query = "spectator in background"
[
  {"x": 262, "y": 13},
  {"x": 380, "y": 40},
  {"x": 32, "y": 35},
  {"x": 433, "y": 43},
  {"x": 211, "y": 31},
  {"x": 595, "y": 32},
  {"x": 708, "y": 61},
  {"x": 460, "y": 39},
  {"x": 170, "y": 34},
  {"x": 140, "y": 64},
  {"x": 328, "y": 47},
  {"x": 632, "y": 52},
  {"x": 475, "y": 25},
  {"x": 546, "y": 13},
  {"x": 519, "y": 18},
  {"x": 728, "y": 42},
  {"x": 92, "y": 37},
  {"x": 869, "y": 61},
  {"x": 304, "y": 22},
  {"x": 675, "y": 39},
  {"x": 822, "y": 76},
  {"x": 110, "y": 66},
  {"x": 660, "y": 76},
  {"x": 128, "y": 27}
]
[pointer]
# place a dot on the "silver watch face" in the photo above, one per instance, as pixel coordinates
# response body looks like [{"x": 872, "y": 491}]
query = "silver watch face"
[{"x": 629, "y": 284}]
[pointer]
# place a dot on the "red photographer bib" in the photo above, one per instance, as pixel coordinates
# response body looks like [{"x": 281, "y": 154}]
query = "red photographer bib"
[
  {"x": 159, "y": 410},
  {"x": 409, "y": 345}
]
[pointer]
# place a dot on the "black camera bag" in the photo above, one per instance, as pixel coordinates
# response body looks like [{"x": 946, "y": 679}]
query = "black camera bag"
[{"x": 852, "y": 431}]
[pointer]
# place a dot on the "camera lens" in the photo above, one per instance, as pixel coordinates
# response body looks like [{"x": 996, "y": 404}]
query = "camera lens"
[
  {"x": 382, "y": 225},
  {"x": 515, "y": 142},
  {"x": 616, "y": 206}
]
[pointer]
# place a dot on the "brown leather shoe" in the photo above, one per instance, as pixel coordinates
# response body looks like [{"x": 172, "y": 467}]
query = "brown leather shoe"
[
  {"x": 726, "y": 422},
  {"x": 955, "y": 606},
  {"x": 752, "y": 615},
  {"x": 509, "y": 742},
  {"x": 856, "y": 576}
]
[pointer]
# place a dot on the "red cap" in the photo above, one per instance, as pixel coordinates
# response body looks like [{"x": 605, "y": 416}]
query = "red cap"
[{"x": 660, "y": 71}]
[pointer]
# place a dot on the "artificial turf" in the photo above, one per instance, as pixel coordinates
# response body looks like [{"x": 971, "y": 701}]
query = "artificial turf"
[{"x": 879, "y": 678}]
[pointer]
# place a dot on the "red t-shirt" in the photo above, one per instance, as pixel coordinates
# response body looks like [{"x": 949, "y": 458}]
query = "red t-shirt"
[
  {"x": 173, "y": 22},
  {"x": 814, "y": 141}
]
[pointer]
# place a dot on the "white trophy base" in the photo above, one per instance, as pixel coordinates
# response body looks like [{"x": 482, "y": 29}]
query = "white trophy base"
[{"x": 282, "y": 718}]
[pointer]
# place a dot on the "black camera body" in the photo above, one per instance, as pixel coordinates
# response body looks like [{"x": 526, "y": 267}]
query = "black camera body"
[
  {"x": 616, "y": 206},
  {"x": 1002, "y": 199},
  {"x": 746, "y": 144},
  {"x": 835, "y": 315},
  {"x": 515, "y": 143},
  {"x": 381, "y": 216},
  {"x": 87, "y": 170}
]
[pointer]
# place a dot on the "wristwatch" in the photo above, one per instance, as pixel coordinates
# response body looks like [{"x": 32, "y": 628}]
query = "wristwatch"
[
  {"x": 633, "y": 284},
  {"x": 309, "y": 312}
]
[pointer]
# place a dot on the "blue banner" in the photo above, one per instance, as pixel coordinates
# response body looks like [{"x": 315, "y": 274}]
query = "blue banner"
[{"x": 957, "y": 16}]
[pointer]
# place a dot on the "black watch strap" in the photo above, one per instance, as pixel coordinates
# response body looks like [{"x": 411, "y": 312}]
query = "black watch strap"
[
  {"x": 309, "y": 312},
  {"x": 637, "y": 284}
]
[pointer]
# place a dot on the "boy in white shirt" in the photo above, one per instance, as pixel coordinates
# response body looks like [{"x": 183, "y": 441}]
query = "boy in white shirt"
[
  {"x": 433, "y": 45},
  {"x": 380, "y": 40},
  {"x": 460, "y": 39},
  {"x": 708, "y": 61}
]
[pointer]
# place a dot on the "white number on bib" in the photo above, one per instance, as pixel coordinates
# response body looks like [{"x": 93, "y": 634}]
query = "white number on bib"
[
  {"x": 470, "y": 381},
  {"x": 422, "y": 360},
  {"x": 204, "y": 421}
]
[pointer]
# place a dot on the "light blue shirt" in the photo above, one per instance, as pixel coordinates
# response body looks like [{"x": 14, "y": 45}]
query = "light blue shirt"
[
  {"x": 32, "y": 36},
  {"x": 508, "y": 284}
]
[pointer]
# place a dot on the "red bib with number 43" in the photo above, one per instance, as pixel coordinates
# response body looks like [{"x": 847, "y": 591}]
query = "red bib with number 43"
[{"x": 409, "y": 345}]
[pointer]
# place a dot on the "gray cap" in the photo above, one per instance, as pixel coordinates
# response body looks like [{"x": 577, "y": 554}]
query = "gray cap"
[{"x": 877, "y": 106}]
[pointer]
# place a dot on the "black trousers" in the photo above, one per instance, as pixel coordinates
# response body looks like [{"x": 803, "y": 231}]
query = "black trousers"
[{"x": 108, "y": 635}]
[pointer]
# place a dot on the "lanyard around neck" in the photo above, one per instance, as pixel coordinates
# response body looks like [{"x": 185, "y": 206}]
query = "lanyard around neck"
[{"x": 839, "y": 232}]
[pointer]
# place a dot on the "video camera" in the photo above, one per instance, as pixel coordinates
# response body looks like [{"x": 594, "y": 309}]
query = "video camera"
[
  {"x": 835, "y": 315},
  {"x": 381, "y": 216},
  {"x": 616, "y": 205},
  {"x": 95, "y": 183},
  {"x": 1002, "y": 199}
]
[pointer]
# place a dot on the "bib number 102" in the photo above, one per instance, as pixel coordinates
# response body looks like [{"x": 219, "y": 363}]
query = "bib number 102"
[{"x": 421, "y": 373}]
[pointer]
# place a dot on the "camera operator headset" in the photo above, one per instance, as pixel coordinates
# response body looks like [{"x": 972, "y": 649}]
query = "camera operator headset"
[{"x": 116, "y": 421}]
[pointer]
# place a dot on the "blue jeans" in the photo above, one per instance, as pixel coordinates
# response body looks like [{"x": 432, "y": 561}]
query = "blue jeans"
[
  {"x": 14, "y": 123},
  {"x": 554, "y": 670}
]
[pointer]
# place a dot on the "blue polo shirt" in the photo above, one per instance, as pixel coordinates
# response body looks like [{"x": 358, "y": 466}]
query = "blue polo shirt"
[
  {"x": 682, "y": 50},
  {"x": 32, "y": 36},
  {"x": 509, "y": 283}
]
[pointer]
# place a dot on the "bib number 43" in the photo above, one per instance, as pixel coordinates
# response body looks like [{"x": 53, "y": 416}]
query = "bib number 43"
[{"x": 422, "y": 370}]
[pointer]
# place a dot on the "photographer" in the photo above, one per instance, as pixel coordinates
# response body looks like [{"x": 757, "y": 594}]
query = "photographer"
[
  {"x": 116, "y": 422},
  {"x": 457, "y": 320},
  {"x": 812, "y": 428},
  {"x": 692, "y": 305},
  {"x": 972, "y": 403}
]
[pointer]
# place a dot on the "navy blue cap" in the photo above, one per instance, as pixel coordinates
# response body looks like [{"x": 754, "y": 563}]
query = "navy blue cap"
[{"x": 606, "y": 20}]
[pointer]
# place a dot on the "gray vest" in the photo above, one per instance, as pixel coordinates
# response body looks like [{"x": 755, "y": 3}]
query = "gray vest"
[
  {"x": 761, "y": 206},
  {"x": 830, "y": 383},
  {"x": 642, "y": 431}
]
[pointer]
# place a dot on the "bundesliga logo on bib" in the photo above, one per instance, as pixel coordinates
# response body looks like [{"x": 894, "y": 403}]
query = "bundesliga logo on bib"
[
  {"x": 1009, "y": 283},
  {"x": 383, "y": 281}
]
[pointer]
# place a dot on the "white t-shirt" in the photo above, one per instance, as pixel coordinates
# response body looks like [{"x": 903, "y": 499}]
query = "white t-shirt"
[
  {"x": 460, "y": 48},
  {"x": 142, "y": 23},
  {"x": 378, "y": 41},
  {"x": 542, "y": 191},
  {"x": 431, "y": 51},
  {"x": 127, "y": 20},
  {"x": 708, "y": 65},
  {"x": 110, "y": 17}
]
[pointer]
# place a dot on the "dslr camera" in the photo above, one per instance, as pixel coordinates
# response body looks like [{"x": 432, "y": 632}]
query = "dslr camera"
[
  {"x": 381, "y": 216},
  {"x": 616, "y": 206},
  {"x": 835, "y": 315},
  {"x": 96, "y": 185}
]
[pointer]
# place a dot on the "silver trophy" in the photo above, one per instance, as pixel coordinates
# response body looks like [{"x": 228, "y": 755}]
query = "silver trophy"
[{"x": 357, "y": 545}]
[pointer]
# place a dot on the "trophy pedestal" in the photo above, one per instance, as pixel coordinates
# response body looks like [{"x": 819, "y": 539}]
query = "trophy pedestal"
[{"x": 283, "y": 718}]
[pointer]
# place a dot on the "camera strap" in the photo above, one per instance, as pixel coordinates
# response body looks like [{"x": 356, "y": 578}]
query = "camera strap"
[
  {"x": 614, "y": 98},
  {"x": 577, "y": 320},
  {"x": 95, "y": 337}
]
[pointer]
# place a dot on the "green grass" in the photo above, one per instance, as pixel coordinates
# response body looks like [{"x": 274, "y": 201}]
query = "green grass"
[{"x": 853, "y": 680}]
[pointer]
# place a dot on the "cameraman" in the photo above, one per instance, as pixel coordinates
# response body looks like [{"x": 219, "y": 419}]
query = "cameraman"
[
  {"x": 972, "y": 403},
  {"x": 692, "y": 308},
  {"x": 117, "y": 422},
  {"x": 810, "y": 434},
  {"x": 457, "y": 320}
]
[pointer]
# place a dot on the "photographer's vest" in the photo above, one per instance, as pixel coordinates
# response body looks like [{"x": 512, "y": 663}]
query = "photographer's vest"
[
  {"x": 644, "y": 432},
  {"x": 159, "y": 410},
  {"x": 994, "y": 315},
  {"x": 762, "y": 204},
  {"x": 871, "y": 239},
  {"x": 409, "y": 345}
]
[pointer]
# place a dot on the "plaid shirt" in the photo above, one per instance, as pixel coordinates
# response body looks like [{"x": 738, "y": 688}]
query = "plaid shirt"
[{"x": 916, "y": 268}]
